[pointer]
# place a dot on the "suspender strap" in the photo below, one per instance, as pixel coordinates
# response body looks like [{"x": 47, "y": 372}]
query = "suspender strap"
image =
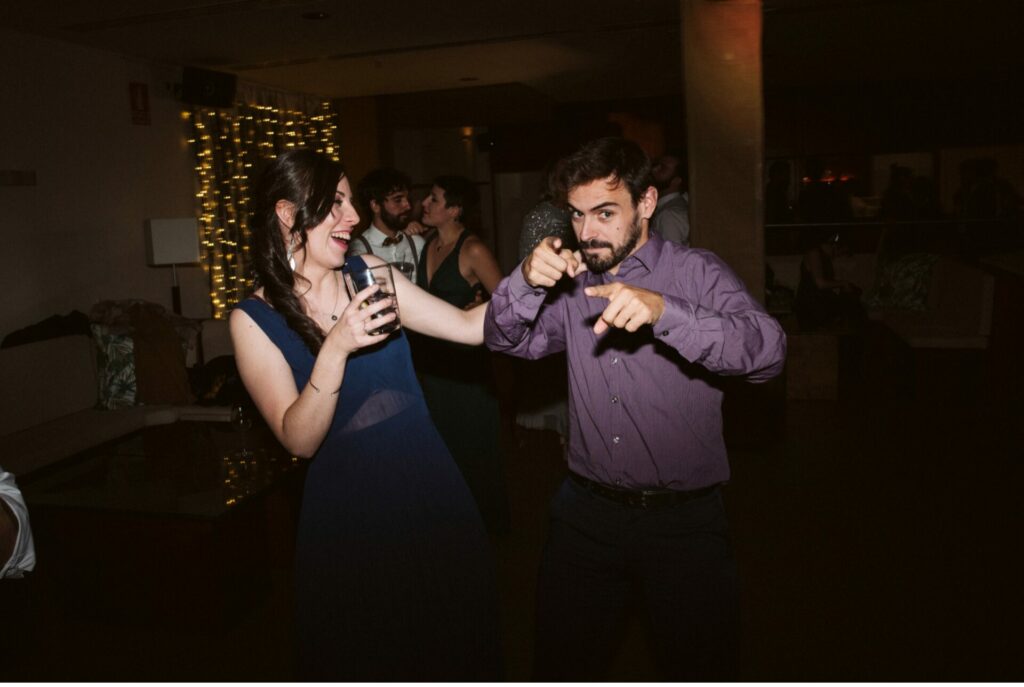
[{"x": 415, "y": 257}]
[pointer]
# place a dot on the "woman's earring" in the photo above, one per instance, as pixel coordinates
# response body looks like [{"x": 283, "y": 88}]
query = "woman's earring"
[{"x": 291, "y": 255}]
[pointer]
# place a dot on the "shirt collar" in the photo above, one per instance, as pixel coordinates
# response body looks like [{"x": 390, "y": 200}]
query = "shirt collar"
[
  {"x": 645, "y": 258},
  {"x": 374, "y": 235},
  {"x": 649, "y": 252},
  {"x": 377, "y": 237}
]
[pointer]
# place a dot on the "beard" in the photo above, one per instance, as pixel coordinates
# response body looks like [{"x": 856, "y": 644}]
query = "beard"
[
  {"x": 395, "y": 222},
  {"x": 597, "y": 264}
]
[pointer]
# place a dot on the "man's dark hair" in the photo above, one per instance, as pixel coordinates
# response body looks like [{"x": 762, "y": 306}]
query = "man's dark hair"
[
  {"x": 459, "y": 192},
  {"x": 379, "y": 184},
  {"x": 615, "y": 158}
]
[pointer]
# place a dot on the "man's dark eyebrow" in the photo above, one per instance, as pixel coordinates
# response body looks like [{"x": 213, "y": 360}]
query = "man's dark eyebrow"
[{"x": 599, "y": 206}]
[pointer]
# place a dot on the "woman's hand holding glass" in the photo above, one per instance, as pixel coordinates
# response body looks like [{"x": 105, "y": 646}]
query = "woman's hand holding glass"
[{"x": 360, "y": 317}]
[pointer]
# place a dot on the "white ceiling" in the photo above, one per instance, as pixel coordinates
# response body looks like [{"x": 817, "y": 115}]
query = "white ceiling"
[{"x": 570, "y": 50}]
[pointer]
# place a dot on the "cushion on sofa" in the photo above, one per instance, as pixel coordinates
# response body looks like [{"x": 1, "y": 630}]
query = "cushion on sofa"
[
  {"x": 903, "y": 284},
  {"x": 160, "y": 372},
  {"x": 115, "y": 353}
]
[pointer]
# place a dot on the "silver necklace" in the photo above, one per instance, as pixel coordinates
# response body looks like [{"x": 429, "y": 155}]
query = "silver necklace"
[{"x": 334, "y": 318}]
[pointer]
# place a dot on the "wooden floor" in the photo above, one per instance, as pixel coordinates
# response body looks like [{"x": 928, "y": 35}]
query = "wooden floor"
[{"x": 878, "y": 538}]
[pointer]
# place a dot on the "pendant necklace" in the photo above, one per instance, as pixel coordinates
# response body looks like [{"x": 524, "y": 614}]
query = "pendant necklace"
[{"x": 334, "y": 318}]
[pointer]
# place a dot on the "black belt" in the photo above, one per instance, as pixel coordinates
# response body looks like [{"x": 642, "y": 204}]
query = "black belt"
[{"x": 640, "y": 498}]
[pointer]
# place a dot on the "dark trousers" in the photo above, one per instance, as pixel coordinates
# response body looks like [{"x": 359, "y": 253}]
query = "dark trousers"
[{"x": 599, "y": 554}]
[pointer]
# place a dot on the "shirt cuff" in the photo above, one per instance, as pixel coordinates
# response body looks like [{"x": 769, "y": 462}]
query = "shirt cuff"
[
  {"x": 677, "y": 318},
  {"x": 519, "y": 288},
  {"x": 515, "y": 301}
]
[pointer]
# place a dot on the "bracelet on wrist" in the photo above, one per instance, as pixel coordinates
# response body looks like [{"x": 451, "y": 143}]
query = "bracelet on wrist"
[{"x": 317, "y": 389}]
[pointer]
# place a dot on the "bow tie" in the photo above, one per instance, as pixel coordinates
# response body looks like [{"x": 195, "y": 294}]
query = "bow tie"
[{"x": 389, "y": 241}]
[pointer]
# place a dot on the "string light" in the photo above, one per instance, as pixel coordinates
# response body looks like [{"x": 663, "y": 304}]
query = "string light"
[{"x": 226, "y": 145}]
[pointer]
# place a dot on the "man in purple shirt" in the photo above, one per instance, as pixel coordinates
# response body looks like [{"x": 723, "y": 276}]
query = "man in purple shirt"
[{"x": 647, "y": 326}]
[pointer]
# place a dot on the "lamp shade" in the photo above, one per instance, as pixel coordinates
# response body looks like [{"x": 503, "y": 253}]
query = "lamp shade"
[{"x": 172, "y": 241}]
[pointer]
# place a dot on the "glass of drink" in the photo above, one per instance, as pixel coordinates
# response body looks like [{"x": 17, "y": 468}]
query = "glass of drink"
[{"x": 357, "y": 280}]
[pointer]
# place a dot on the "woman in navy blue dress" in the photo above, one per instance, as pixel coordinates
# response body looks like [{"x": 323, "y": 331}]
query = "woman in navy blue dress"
[{"x": 394, "y": 578}]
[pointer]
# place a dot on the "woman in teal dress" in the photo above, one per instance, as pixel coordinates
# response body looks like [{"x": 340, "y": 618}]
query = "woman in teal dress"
[
  {"x": 394, "y": 579},
  {"x": 457, "y": 379}
]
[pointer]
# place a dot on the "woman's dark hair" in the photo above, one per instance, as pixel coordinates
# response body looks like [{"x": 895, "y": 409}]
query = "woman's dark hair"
[
  {"x": 308, "y": 180},
  {"x": 621, "y": 160},
  {"x": 462, "y": 193}
]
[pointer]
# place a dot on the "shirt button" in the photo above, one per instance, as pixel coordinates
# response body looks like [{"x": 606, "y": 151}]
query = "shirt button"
[
  {"x": 615, "y": 361},
  {"x": 616, "y": 439},
  {"x": 615, "y": 399},
  {"x": 664, "y": 332}
]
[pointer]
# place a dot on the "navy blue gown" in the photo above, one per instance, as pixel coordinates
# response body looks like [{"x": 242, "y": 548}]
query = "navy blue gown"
[{"x": 394, "y": 576}]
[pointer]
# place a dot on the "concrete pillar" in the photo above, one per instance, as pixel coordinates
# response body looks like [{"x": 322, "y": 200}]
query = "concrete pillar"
[{"x": 725, "y": 132}]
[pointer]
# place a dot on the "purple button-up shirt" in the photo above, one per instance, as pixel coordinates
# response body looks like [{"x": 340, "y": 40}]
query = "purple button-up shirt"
[{"x": 644, "y": 409}]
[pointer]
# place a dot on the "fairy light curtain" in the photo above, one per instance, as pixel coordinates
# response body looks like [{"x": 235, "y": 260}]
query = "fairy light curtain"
[{"x": 227, "y": 144}]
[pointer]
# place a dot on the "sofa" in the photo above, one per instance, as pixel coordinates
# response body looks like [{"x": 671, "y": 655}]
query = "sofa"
[
  {"x": 953, "y": 310},
  {"x": 955, "y": 314},
  {"x": 49, "y": 393},
  {"x": 945, "y": 305}
]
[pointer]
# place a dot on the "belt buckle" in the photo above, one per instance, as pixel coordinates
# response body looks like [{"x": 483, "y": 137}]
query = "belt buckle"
[{"x": 649, "y": 499}]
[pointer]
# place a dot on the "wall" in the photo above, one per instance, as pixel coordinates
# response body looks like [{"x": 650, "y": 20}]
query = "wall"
[
  {"x": 893, "y": 117},
  {"x": 1010, "y": 167},
  {"x": 76, "y": 236},
  {"x": 358, "y": 136}
]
